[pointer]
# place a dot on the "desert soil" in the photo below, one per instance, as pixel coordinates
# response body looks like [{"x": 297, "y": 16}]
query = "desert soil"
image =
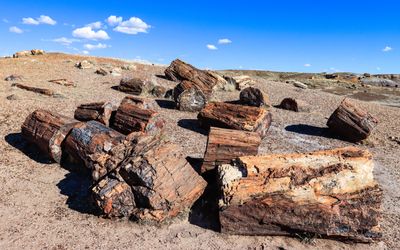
[{"x": 42, "y": 206}]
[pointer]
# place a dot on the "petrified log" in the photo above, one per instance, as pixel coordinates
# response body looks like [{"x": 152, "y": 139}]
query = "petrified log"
[
  {"x": 192, "y": 100},
  {"x": 132, "y": 118},
  {"x": 63, "y": 82},
  {"x": 135, "y": 86},
  {"x": 42, "y": 91},
  {"x": 294, "y": 105},
  {"x": 239, "y": 117},
  {"x": 47, "y": 131},
  {"x": 97, "y": 111},
  {"x": 329, "y": 193},
  {"x": 224, "y": 145},
  {"x": 254, "y": 97},
  {"x": 141, "y": 102},
  {"x": 351, "y": 122}
]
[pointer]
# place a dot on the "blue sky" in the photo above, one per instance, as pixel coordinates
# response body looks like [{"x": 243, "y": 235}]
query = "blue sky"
[{"x": 302, "y": 35}]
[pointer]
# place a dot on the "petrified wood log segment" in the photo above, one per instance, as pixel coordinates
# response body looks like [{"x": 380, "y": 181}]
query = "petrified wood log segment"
[
  {"x": 42, "y": 91},
  {"x": 135, "y": 86},
  {"x": 47, "y": 130},
  {"x": 141, "y": 102},
  {"x": 330, "y": 193},
  {"x": 63, "y": 82},
  {"x": 224, "y": 145},
  {"x": 239, "y": 117},
  {"x": 294, "y": 105},
  {"x": 97, "y": 111},
  {"x": 192, "y": 100},
  {"x": 132, "y": 118},
  {"x": 254, "y": 97},
  {"x": 351, "y": 122},
  {"x": 162, "y": 181}
]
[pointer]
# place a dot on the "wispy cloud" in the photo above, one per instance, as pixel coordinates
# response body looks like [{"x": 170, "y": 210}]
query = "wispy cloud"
[
  {"x": 85, "y": 52},
  {"x": 307, "y": 65},
  {"x": 96, "y": 46},
  {"x": 40, "y": 20},
  {"x": 211, "y": 47},
  {"x": 89, "y": 33},
  {"x": 387, "y": 49},
  {"x": 132, "y": 26},
  {"x": 114, "y": 20},
  {"x": 65, "y": 41},
  {"x": 224, "y": 41},
  {"x": 95, "y": 25},
  {"x": 5, "y": 20},
  {"x": 16, "y": 30}
]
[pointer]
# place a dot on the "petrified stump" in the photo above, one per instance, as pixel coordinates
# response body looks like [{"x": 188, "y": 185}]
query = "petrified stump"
[
  {"x": 294, "y": 105},
  {"x": 329, "y": 193},
  {"x": 224, "y": 145},
  {"x": 239, "y": 117},
  {"x": 254, "y": 97},
  {"x": 135, "y": 86},
  {"x": 141, "y": 102},
  {"x": 192, "y": 100},
  {"x": 47, "y": 130},
  {"x": 42, "y": 91},
  {"x": 351, "y": 122},
  {"x": 97, "y": 111},
  {"x": 132, "y": 118}
]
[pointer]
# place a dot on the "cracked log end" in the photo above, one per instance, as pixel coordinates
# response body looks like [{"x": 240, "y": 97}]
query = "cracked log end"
[{"x": 329, "y": 193}]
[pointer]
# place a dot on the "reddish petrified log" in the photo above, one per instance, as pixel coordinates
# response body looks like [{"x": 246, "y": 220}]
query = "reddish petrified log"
[
  {"x": 328, "y": 193},
  {"x": 141, "y": 102},
  {"x": 42, "y": 91},
  {"x": 97, "y": 111},
  {"x": 351, "y": 122},
  {"x": 135, "y": 86},
  {"x": 239, "y": 117}
]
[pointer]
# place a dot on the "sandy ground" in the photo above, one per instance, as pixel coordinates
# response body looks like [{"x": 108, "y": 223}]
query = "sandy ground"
[{"x": 42, "y": 205}]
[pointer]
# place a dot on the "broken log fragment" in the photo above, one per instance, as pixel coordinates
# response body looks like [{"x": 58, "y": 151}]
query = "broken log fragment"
[
  {"x": 329, "y": 193},
  {"x": 351, "y": 122},
  {"x": 42, "y": 91},
  {"x": 141, "y": 102},
  {"x": 132, "y": 118},
  {"x": 254, "y": 97},
  {"x": 232, "y": 116},
  {"x": 224, "y": 145},
  {"x": 135, "y": 86},
  {"x": 63, "y": 82},
  {"x": 97, "y": 111},
  {"x": 294, "y": 105},
  {"x": 47, "y": 130},
  {"x": 192, "y": 100}
]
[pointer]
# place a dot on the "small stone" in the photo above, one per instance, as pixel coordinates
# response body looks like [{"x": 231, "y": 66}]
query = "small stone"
[
  {"x": 13, "y": 78},
  {"x": 12, "y": 97},
  {"x": 300, "y": 85},
  {"x": 129, "y": 67},
  {"x": 84, "y": 65},
  {"x": 102, "y": 72}
]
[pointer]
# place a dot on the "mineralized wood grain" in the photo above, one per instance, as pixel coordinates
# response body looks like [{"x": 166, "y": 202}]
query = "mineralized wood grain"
[
  {"x": 47, "y": 130},
  {"x": 294, "y": 105},
  {"x": 329, "y": 193},
  {"x": 135, "y": 86},
  {"x": 233, "y": 116},
  {"x": 254, "y": 97},
  {"x": 132, "y": 118},
  {"x": 351, "y": 122},
  {"x": 42, "y": 91},
  {"x": 224, "y": 145},
  {"x": 97, "y": 111},
  {"x": 141, "y": 102},
  {"x": 191, "y": 100}
]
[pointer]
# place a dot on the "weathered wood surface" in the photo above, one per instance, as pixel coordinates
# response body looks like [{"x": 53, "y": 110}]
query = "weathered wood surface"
[
  {"x": 328, "y": 193},
  {"x": 351, "y": 122},
  {"x": 254, "y": 97},
  {"x": 42, "y": 91},
  {"x": 47, "y": 130},
  {"x": 295, "y": 105},
  {"x": 192, "y": 100},
  {"x": 135, "y": 86},
  {"x": 141, "y": 102},
  {"x": 224, "y": 145},
  {"x": 97, "y": 111},
  {"x": 232, "y": 116},
  {"x": 132, "y": 118}
]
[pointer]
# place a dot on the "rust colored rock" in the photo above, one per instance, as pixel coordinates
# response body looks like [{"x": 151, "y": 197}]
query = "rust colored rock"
[
  {"x": 97, "y": 111},
  {"x": 329, "y": 193},
  {"x": 47, "y": 130},
  {"x": 294, "y": 105},
  {"x": 254, "y": 97},
  {"x": 233, "y": 116},
  {"x": 224, "y": 145},
  {"x": 42, "y": 91},
  {"x": 135, "y": 86},
  {"x": 351, "y": 122},
  {"x": 132, "y": 118}
]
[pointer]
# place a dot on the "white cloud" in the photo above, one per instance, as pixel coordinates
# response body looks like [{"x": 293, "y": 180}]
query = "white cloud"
[
  {"x": 16, "y": 30},
  {"x": 65, "y": 41},
  {"x": 41, "y": 20},
  {"x": 211, "y": 47},
  {"x": 224, "y": 41},
  {"x": 307, "y": 65},
  {"x": 387, "y": 49},
  {"x": 132, "y": 26},
  {"x": 378, "y": 68},
  {"x": 85, "y": 52},
  {"x": 89, "y": 33},
  {"x": 5, "y": 20},
  {"x": 114, "y": 20},
  {"x": 96, "y": 25},
  {"x": 96, "y": 46}
]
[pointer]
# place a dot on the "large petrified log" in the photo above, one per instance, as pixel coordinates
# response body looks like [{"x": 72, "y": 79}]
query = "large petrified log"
[
  {"x": 328, "y": 193},
  {"x": 192, "y": 100},
  {"x": 97, "y": 111},
  {"x": 295, "y": 105},
  {"x": 135, "y": 86},
  {"x": 141, "y": 102},
  {"x": 42, "y": 91},
  {"x": 224, "y": 145},
  {"x": 47, "y": 130},
  {"x": 254, "y": 97},
  {"x": 239, "y": 117},
  {"x": 351, "y": 122},
  {"x": 132, "y": 118}
]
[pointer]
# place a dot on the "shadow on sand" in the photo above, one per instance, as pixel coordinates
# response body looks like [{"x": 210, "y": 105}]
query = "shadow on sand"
[{"x": 305, "y": 129}]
